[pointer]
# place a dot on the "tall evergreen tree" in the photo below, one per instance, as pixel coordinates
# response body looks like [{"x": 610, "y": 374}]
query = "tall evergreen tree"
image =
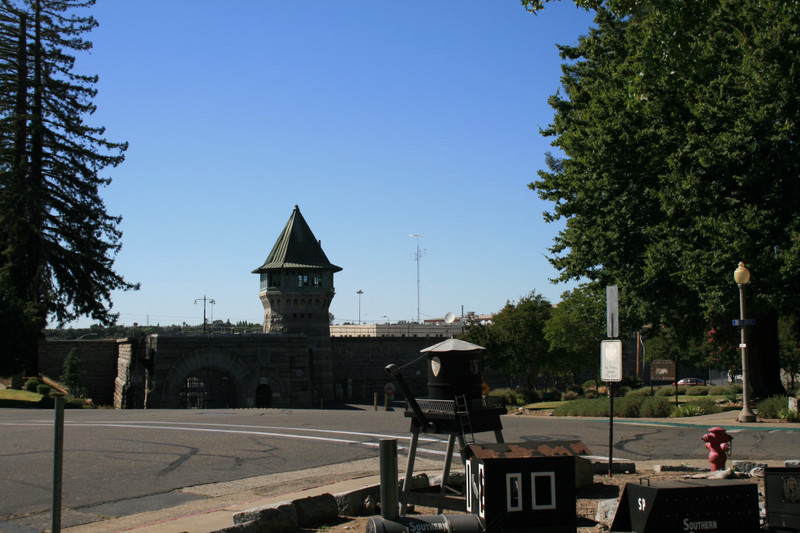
[
  {"x": 58, "y": 242},
  {"x": 678, "y": 122}
]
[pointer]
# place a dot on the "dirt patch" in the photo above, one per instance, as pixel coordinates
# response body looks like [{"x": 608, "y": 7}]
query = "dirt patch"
[{"x": 604, "y": 488}]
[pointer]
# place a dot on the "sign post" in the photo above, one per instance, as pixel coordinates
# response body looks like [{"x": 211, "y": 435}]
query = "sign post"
[{"x": 611, "y": 372}]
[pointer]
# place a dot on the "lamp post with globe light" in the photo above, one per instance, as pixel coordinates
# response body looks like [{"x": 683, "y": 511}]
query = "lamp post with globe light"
[{"x": 742, "y": 277}]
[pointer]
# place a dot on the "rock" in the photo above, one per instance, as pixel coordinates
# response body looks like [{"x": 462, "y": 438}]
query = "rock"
[
  {"x": 584, "y": 472},
  {"x": 678, "y": 468},
  {"x": 606, "y": 510},
  {"x": 277, "y": 518},
  {"x": 355, "y": 502},
  {"x": 756, "y": 472},
  {"x": 792, "y": 463},
  {"x": 316, "y": 510},
  {"x": 619, "y": 466},
  {"x": 746, "y": 466}
]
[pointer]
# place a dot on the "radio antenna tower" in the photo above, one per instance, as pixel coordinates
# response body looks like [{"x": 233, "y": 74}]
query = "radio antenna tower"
[{"x": 417, "y": 256}]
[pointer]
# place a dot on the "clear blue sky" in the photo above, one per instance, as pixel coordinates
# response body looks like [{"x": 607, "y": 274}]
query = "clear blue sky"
[{"x": 379, "y": 118}]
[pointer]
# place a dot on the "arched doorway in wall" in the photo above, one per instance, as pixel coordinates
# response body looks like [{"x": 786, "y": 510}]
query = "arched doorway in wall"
[
  {"x": 207, "y": 388},
  {"x": 264, "y": 396}
]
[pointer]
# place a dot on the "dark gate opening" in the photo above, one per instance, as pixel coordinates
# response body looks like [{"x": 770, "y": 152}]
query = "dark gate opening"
[
  {"x": 264, "y": 396},
  {"x": 207, "y": 388}
]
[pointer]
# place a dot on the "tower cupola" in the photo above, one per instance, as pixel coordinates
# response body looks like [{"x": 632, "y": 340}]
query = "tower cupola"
[{"x": 297, "y": 282}]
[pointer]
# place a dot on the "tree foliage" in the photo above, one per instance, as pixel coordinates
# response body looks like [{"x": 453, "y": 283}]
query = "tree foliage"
[
  {"x": 514, "y": 341},
  {"x": 677, "y": 123},
  {"x": 57, "y": 243}
]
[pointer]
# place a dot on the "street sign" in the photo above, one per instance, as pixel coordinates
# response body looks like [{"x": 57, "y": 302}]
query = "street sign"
[
  {"x": 744, "y": 321},
  {"x": 389, "y": 389},
  {"x": 612, "y": 311},
  {"x": 611, "y": 360},
  {"x": 662, "y": 370}
]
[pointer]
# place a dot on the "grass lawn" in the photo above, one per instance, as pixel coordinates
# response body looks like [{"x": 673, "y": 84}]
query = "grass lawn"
[{"x": 19, "y": 398}]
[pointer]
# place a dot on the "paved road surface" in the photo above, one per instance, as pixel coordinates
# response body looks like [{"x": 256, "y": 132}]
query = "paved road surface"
[{"x": 117, "y": 458}]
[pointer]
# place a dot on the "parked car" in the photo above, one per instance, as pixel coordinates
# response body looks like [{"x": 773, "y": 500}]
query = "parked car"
[{"x": 691, "y": 381}]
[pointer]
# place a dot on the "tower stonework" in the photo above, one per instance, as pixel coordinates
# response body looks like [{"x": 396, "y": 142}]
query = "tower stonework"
[{"x": 296, "y": 290}]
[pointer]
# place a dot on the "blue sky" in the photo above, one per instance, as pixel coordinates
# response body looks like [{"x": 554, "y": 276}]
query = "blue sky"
[{"x": 379, "y": 118}]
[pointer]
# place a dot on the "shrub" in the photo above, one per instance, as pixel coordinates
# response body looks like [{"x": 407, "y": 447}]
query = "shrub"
[
  {"x": 697, "y": 391},
  {"x": 628, "y": 407},
  {"x": 570, "y": 395},
  {"x": 736, "y": 388},
  {"x": 770, "y": 407},
  {"x": 654, "y": 407},
  {"x": 643, "y": 391},
  {"x": 789, "y": 416},
  {"x": 622, "y": 391},
  {"x": 718, "y": 390},
  {"x": 589, "y": 384},
  {"x": 32, "y": 384},
  {"x": 590, "y": 393},
  {"x": 43, "y": 389},
  {"x": 702, "y": 406},
  {"x": 666, "y": 390},
  {"x": 584, "y": 407},
  {"x": 632, "y": 382}
]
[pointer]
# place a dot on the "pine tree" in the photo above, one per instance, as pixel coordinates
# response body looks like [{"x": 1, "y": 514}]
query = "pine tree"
[{"x": 58, "y": 242}]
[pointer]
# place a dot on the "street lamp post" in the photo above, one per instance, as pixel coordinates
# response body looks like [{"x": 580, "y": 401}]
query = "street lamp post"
[
  {"x": 205, "y": 301},
  {"x": 742, "y": 277},
  {"x": 359, "y": 292}
]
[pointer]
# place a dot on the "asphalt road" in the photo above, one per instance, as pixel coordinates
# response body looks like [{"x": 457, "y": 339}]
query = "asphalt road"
[{"x": 113, "y": 456}]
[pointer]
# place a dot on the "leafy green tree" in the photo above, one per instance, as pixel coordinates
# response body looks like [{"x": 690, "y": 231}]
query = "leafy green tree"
[
  {"x": 71, "y": 373},
  {"x": 576, "y": 327},
  {"x": 789, "y": 337},
  {"x": 677, "y": 122},
  {"x": 58, "y": 242},
  {"x": 516, "y": 343}
]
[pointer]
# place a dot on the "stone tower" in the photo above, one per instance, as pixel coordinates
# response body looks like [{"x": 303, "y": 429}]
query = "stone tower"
[
  {"x": 296, "y": 291},
  {"x": 297, "y": 282}
]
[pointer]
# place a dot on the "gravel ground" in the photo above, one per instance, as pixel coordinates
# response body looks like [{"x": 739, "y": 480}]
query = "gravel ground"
[{"x": 604, "y": 488}]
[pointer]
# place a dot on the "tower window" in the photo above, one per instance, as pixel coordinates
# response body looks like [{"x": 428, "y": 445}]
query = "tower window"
[{"x": 302, "y": 280}]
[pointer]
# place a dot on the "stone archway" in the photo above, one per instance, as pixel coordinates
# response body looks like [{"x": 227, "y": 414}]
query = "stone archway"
[
  {"x": 207, "y": 379},
  {"x": 208, "y": 388}
]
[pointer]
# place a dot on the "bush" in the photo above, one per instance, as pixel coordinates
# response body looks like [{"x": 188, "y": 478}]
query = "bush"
[
  {"x": 667, "y": 390},
  {"x": 628, "y": 407},
  {"x": 32, "y": 384},
  {"x": 654, "y": 407},
  {"x": 701, "y": 406},
  {"x": 622, "y": 391},
  {"x": 589, "y": 384},
  {"x": 632, "y": 382},
  {"x": 736, "y": 388},
  {"x": 585, "y": 407},
  {"x": 570, "y": 395},
  {"x": 43, "y": 389},
  {"x": 770, "y": 407},
  {"x": 719, "y": 390},
  {"x": 590, "y": 393},
  {"x": 789, "y": 416},
  {"x": 643, "y": 391},
  {"x": 697, "y": 391},
  {"x": 598, "y": 407}
]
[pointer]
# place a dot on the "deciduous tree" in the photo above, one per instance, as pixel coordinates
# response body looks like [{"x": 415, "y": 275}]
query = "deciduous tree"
[{"x": 677, "y": 124}]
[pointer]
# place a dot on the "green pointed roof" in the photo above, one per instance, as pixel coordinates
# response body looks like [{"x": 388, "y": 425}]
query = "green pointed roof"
[{"x": 297, "y": 248}]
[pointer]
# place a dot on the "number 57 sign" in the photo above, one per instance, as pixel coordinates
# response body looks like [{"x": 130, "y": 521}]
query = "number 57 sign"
[{"x": 611, "y": 360}]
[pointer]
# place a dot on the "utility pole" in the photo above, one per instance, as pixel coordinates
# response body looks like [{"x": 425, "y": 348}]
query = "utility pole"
[{"x": 419, "y": 254}]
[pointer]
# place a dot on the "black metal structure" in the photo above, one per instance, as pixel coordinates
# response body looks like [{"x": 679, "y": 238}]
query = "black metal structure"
[
  {"x": 782, "y": 495},
  {"x": 688, "y": 505},
  {"x": 455, "y": 407}
]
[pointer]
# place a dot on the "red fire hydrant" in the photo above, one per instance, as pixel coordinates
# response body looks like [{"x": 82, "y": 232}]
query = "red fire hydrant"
[{"x": 718, "y": 443}]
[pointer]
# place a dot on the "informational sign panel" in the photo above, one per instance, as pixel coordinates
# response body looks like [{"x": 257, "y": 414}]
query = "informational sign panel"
[
  {"x": 611, "y": 360},
  {"x": 612, "y": 311},
  {"x": 662, "y": 370}
]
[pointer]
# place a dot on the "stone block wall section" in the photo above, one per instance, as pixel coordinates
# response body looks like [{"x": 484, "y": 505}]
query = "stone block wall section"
[
  {"x": 359, "y": 363},
  {"x": 98, "y": 365}
]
